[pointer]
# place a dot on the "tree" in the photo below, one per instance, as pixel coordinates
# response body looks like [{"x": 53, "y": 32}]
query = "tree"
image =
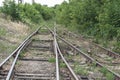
[{"x": 10, "y": 8}]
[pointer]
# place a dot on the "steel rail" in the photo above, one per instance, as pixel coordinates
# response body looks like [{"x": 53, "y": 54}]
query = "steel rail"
[
  {"x": 56, "y": 53},
  {"x": 85, "y": 55},
  {"x": 70, "y": 69},
  {"x": 90, "y": 58},
  {"x": 109, "y": 51},
  {"x": 73, "y": 73},
  {"x": 1, "y": 64},
  {"x": 14, "y": 62}
]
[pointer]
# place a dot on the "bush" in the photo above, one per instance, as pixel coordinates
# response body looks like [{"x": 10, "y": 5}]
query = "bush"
[{"x": 26, "y": 12}]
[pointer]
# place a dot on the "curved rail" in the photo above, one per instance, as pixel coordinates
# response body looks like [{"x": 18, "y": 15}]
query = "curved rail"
[
  {"x": 88, "y": 57},
  {"x": 18, "y": 48},
  {"x": 85, "y": 55},
  {"x": 14, "y": 62},
  {"x": 69, "y": 68},
  {"x": 114, "y": 54},
  {"x": 56, "y": 53}
]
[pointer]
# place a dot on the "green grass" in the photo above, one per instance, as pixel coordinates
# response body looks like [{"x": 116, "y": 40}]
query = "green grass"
[
  {"x": 62, "y": 65},
  {"x": 103, "y": 70},
  {"x": 51, "y": 60},
  {"x": 22, "y": 54},
  {"x": 117, "y": 47},
  {"x": 43, "y": 30},
  {"x": 80, "y": 70},
  {"x": 2, "y": 47},
  {"x": 109, "y": 76},
  {"x": 69, "y": 57},
  {"x": 18, "y": 63},
  {"x": 2, "y": 32},
  {"x": 93, "y": 64},
  {"x": 5, "y": 47}
]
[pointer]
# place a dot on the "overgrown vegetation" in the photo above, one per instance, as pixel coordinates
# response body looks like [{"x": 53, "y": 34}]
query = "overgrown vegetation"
[
  {"x": 52, "y": 60},
  {"x": 2, "y": 32},
  {"x": 108, "y": 75},
  {"x": 62, "y": 64},
  {"x": 80, "y": 70},
  {"x": 27, "y": 13},
  {"x": 97, "y": 18},
  {"x": 22, "y": 54}
]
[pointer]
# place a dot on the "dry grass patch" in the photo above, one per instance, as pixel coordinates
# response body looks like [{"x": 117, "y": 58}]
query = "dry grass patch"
[{"x": 12, "y": 34}]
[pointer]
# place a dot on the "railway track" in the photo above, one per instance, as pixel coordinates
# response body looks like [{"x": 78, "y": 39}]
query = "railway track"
[
  {"x": 38, "y": 57},
  {"x": 108, "y": 74},
  {"x": 99, "y": 53},
  {"x": 44, "y": 55},
  {"x": 36, "y": 61},
  {"x": 103, "y": 57}
]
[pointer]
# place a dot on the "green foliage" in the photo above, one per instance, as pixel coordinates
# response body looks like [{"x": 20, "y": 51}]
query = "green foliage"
[
  {"x": 62, "y": 14},
  {"x": 97, "y": 18},
  {"x": 27, "y": 13},
  {"x": 47, "y": 13},
  {"x": 10, "y": 8},
  {"x": 118, "y": 34},
  {"x": 117, "y": 47}
]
